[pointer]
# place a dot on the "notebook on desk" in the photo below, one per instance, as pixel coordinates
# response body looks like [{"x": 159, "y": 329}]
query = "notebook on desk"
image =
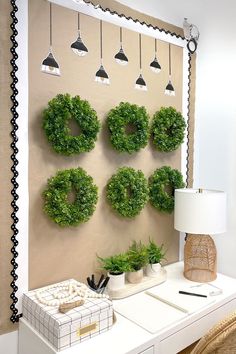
[
  {"x": 148, "y": 312},
  {"x": 169, "y": 294}
]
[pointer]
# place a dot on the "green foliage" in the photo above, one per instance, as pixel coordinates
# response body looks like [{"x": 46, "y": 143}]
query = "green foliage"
[
  {"x": 57, "y": 206},
  {"x": 137, "y": 256},
  {"x": 116, "y": 264},
  {"x": 162, "y": 184},
  {"x": 127, "y": 191},
  {"x": 120, "y": 118},
  {"x": 155, "y": 253},
  {"x": 56, "y": 118},
  {"x": 167, "y": 129}
]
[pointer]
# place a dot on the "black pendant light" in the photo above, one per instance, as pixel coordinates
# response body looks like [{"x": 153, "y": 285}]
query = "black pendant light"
[
  {"x": 155, "y": 66},
  {"x": 101, "y": 75},
  {"x": 140, "y": 83},
  {"x": 170, "y": 91},
  {"x": 78, "y": 46},
  {"x": 120, "y": 57},
  {"x": 49, "y": 64}
]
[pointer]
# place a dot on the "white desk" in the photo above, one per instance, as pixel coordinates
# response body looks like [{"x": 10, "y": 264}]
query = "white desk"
[{"x": 127, "y": 337}]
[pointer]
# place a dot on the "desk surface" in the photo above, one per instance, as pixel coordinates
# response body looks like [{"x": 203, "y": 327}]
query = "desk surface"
[{"x": 126, "y": 337}]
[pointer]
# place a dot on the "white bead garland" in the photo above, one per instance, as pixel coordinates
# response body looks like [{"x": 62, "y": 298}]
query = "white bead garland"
[{"x": 67, "y": 292}]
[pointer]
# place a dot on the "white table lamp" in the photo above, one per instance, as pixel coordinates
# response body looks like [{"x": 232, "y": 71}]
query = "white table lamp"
[{"x": 199, "y": 213}]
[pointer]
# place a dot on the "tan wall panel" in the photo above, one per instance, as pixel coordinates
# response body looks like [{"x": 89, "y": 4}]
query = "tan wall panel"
[
  {"x": 53, "y": 255},
  {"x": 57, "y": 253}
]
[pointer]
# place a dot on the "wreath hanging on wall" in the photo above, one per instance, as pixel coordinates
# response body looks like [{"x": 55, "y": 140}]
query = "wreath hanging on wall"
[
  {"x": 56, "y": 118},
  {"x": 167, "y": 129},
  {"x": 162, "y": 185},
  {"x": 128, "y": 126},
  {"x": 127, "y": 191},
  {"x": 84, "y": 192}
]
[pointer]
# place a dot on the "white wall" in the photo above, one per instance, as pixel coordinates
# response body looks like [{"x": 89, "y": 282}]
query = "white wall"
[
  {"x": 8, "y": 343},
  {"x": 215, "y": 138}
]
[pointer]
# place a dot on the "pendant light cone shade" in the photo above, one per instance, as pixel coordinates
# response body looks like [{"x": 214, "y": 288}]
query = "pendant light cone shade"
[
  {"x": 78, "y": 46},
  {"x": 120, "y": 57},
  {"x": 140, "y": 83},
  {"x": 49, "y": 64},
  {"x": 154, "y": 65},
  {"x": 101, "y": 75},
  {"x": 170, "y": 91}
]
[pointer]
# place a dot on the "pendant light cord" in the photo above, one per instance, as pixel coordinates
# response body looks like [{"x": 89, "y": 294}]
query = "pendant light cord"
[
  {"x": 169, "y": 60},
  {"x": 101, "y": 40},
  {"x": 50, "y": 23},
  {"x": 121, "y": 37},
  {"x": 140, "y": 53},
  {"x": 78, "y": 23},
  {"x": 155, "y": 47}
]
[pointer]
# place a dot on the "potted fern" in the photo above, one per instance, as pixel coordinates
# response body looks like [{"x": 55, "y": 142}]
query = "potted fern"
[
  {"x": 116, "y": 266},
  {"x": 137, "y": 259},
  {"x": 155, "y": 254}
]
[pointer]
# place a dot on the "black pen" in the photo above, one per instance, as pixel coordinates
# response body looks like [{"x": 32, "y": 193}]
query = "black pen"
[
  {"x": 100, "y": 281},
  {"x": 93, "y": 282},
  {"x": 192, "y": 294},
  {"x": 104, "y": 284},
  {"x": 89, "y": 282}
]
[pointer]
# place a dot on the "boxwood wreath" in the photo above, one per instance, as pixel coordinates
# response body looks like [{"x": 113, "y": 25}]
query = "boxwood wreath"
[
  {"x": 127, "y": 191},
  {"x": 59, "y": 208},
  {"x": 56, "y": 117},
  {"x": 162, "y": 185},
  {"x": 167, "y": 129},
  {"x": 127, "y": 117}
]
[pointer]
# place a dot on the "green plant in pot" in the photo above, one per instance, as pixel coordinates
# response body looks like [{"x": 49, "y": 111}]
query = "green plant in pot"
[
  {"x": 137, "y": 258},
  {"x": 116, "y": 266},
  {"x": 155, "y": 254}
]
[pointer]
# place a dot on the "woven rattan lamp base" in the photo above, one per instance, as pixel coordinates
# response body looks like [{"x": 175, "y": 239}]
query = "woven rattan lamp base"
[{"x": 200, "y": 258}]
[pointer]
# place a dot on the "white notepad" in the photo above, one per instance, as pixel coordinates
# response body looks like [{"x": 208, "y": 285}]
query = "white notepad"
[
  {"x": 148, "y": 312},
  {"x": 185, "y": 303}
]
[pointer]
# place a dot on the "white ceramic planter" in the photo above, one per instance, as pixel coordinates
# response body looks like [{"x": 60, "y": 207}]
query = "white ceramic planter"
[
  {"x": 153, "y": 270},
  {"x": 135, "y": 277},
  {"x": 116, "y": 282}
]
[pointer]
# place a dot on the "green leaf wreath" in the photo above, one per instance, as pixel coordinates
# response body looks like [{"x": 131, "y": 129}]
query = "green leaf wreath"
[
  {"x": 127, "y": 191},
  {"x": 56, "y": 118},
  {"x": 56, "y": 203},
  {"x": 168, "y": 127},
  {"x": 162, "y": 185},
  {"x": 126, "y": 116}
]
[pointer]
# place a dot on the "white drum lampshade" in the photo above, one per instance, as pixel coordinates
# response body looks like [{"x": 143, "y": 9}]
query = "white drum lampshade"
[{"x": 199, "y": 213}]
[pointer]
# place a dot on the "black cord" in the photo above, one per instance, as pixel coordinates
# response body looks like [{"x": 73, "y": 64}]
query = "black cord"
[
  {"x": 79, "y": 22},
  {"x": 155, "y": 47},
  {"x": 50, "y": 23},
  {"x": 140, "y": 53},
  {"x": 101, "y": 38},
  {"x": 15, "y": 316},
  {"x": 121, "y": 40},
  {"x": 169, "y": 60}
]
